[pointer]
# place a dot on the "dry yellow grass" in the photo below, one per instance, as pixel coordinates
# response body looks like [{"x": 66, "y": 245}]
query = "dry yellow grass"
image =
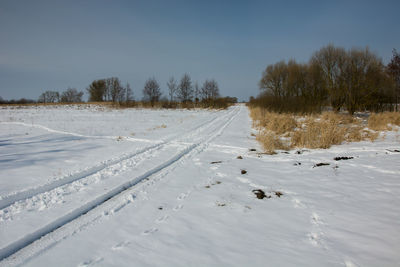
[
  {"x": 278, "y": 123},
  {"x": 286, "y": 131},
  {"x": 318, "y": 134},
  {"x": 271, "y": 142},
  {"x": 383, "y": 121}
]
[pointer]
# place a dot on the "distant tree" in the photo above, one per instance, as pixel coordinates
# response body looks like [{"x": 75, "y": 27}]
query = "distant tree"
[
  {"x": 151, "y": 91},
  {"x": 71, "y": 95},
  {"x": 332, "y": 61},
  {"x": 316, "y": 92},
  {"x": 394, "y": 70},
  {"x": 360, "y": 87},
  {"x": 172, "y": 88},
  {"x": 230, "y": 99},
  {"x": 197, "y": 92},
  {"x": 115, "y": 92},
  {"x": 210, "y": 90},
  {"x": 97, "y": 90},
  {"x": 185, "y": 89},
  {"x": 49, "y": 97},
  {"x": 274, "y": 78},
  {"x": 129, "y": 97}
]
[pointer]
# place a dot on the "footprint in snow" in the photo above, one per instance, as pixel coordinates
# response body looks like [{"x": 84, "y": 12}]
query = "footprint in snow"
[
  {"x": 182, "y": 196},
  {"x": 150, "y": 231},
  {"x": 162, "y": 219},
  {"x": 121, "y": 245},
  {"x": 178, "y": 207},
  {"x": 297, "y": 203},
  {"x": 314, "y": 239},
  {"x": 315, "y": 219},
  {"x": 90, "y": 262}
]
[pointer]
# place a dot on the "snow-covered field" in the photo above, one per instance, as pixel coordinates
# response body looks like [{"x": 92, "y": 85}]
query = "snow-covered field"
[{"x": 89, "y": 186}]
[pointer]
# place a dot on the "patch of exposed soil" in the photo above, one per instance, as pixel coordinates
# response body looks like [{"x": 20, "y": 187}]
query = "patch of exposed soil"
[
  {"x": 260, "y": 194},
  {"x": 343, "y": 158},
  {"x": 321, "y": 164}
]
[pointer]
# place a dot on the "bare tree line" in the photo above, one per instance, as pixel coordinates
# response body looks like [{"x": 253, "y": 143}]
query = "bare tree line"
[
  {"x": 354, "y": 79},
  {"x": 109, "y": 89},
  {"x": 71, "y": 95},
  {"x": 182, "y": 93},
  {"x": 185, "y": 92}
]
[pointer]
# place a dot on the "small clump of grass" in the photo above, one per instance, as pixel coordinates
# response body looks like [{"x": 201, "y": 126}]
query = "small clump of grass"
[{"x": 271, "y": 142}]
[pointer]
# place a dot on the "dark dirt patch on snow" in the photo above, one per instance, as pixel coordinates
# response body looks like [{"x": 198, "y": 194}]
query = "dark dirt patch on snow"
[
  {"x": 321, "y": 164},
  {"x": 342, "y": 158},
  {"x": 260, "y": 194}
]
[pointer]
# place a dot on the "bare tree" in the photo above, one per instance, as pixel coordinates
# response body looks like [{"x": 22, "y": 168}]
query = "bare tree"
[
  {"x": 115, "y": 92},
  {"x": 315, "y": 91},
  {"x": 71, "y": 95},
  {"x": 210, "y": 90},
  {"x": 197, "y": 92},
  {"x": 151, "y": 91},
  {"x": 274, "y": 78},
  {"x": 332, "y": 61},
  {"x": 394, "y": 70},
  {"x": 364, "y": 79},
  {"x": 49, "y": 97},
  {"x": 172, "y": 88},
  {"x": 185, "y": 89},
  {"x": 129, "y": 97}
]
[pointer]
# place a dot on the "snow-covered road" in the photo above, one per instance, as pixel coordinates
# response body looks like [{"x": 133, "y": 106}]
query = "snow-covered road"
[{"x": 150, "y": 188}]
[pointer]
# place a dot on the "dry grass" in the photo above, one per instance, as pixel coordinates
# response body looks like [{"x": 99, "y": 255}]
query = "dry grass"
[
  {"x": 384, "y": 121},
  {"x": 287, "y": 131},
  {"x": 318, "y": 134},
  {"x": 271, "y": 142},
  {"x": 278, "y": 123}
]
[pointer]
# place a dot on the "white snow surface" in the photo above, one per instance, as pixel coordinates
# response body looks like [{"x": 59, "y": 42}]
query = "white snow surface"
[{"x": 84, "y": 185}]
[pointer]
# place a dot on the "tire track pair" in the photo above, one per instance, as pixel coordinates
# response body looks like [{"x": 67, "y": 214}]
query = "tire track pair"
[{"x": 96, "y": 204}]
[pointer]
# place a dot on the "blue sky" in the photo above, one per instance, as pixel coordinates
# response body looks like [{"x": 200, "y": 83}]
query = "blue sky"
[{"x": 53, "y": 45}]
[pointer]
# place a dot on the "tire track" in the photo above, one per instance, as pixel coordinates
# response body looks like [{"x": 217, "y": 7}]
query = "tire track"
[
  {"x": 7, "y": 200},
  {"x": 97, "y": 203}
]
